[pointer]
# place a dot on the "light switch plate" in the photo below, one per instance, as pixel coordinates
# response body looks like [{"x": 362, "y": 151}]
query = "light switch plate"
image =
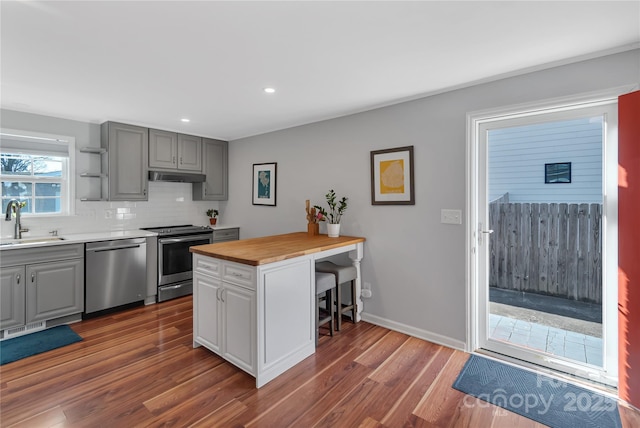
[{"x": 451, "y": 216}]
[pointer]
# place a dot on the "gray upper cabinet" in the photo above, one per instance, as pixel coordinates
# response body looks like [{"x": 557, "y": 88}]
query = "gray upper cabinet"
[
  {"x": 215, "y": 164},
  {"x": 189, "y": 153},
  {"x": 163, "y": 149},
  {"x": 171, "y": 151},
  {"x": 128, "y": 148}
]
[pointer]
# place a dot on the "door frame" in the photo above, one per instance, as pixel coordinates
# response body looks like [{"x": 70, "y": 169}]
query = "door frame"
[{"x": 475, "y": 319}]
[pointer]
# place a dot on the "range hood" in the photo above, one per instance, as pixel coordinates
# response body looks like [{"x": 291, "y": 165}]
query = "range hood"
[{"x": 176, "y": 177}]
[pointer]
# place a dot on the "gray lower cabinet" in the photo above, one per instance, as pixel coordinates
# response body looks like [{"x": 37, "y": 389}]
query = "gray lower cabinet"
[
  {"x": 222, "y": 235},
  {"x": 40, "y": 284},
  {"x": 128, "y": 148},
  {"x": 12, "y": 296},
  {"x": 215, "y": 164},
  {"x": 54, "y": 289}
]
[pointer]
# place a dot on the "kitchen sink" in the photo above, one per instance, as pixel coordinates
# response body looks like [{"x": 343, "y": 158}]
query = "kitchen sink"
[{"x": 41, "y": 240}]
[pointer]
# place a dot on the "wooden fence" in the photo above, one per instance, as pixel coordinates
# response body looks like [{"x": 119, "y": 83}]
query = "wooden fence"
[{"x": 553, "y": 249}]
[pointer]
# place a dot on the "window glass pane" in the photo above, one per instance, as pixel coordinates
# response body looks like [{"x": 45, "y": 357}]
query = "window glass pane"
[
  {"x": 557, "y": 172},
  {"x": 37, "y": 176},
  {"x": 47, "y": 205},
  {"x": 48, "y": 189},
  {"x": 16, "y": 189},
  {"x": 15, "y": 164},
  {"x": 47, "y": 166},
  {"x": 26, "y": 209}
]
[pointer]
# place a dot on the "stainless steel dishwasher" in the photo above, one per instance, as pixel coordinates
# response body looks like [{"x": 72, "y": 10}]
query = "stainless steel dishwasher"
[{"x": 115, "y": 274}]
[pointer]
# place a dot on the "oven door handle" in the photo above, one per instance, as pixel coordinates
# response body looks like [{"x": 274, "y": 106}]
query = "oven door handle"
[
  {"x": 173, "y": 287},
  {"x": 182, "y": 239}
]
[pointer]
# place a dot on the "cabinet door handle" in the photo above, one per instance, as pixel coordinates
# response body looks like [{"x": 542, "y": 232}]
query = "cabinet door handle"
[
  {"x": 222, "y": 296},
  {"x": 33, "y": 277},
  {"x": 218, "y": 294},
  {"x": 180, "y": 160},
  {"x": 18, "y": 278},
  {"x": 174, "y": 160}
]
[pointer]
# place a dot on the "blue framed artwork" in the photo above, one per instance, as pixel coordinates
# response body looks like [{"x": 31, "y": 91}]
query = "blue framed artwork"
[{"x": 264, "y": 183}]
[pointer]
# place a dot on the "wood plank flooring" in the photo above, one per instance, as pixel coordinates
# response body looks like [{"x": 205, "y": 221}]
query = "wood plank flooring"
[{"x": 137, "y": 368}]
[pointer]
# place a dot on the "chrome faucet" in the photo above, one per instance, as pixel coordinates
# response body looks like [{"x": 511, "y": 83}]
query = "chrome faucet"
[{"x": 17, "y": 234}]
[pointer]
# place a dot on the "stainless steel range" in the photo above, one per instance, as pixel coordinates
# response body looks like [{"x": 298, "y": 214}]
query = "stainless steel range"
[{"x": 175, "y": 271}]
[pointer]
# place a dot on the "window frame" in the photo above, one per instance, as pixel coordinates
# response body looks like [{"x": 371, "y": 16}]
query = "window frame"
[
  {"x": 68, "y": 190},
  {"x": 548, "y": 172}
]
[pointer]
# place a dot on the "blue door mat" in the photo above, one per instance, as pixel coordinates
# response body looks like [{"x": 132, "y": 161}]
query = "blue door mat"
[
  {"x": 535, "y": 396},
  {"x": 36, "y": 343}
]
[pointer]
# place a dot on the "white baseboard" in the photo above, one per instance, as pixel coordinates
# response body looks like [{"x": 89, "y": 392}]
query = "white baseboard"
[{"x": 415, "y": 332}]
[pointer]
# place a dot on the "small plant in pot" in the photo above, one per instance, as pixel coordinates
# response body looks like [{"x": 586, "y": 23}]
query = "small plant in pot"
[
  {"x": 213, "y": 216},
  {"x": 333, "y": 217}
]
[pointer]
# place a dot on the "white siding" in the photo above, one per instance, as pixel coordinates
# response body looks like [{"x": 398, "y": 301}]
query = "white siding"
[{"x": 517, "y": 157}]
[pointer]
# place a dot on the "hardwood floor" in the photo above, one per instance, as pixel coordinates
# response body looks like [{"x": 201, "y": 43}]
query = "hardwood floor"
[{"x": 138, "y": 368}]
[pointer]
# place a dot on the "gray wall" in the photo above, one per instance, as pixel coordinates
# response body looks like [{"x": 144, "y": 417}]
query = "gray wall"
[
  {"x": 86, "y": 134},
  {"x": 415, "y": 264}
]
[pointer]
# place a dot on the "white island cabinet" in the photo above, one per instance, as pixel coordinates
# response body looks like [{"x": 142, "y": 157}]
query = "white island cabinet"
[{"x": 254, "y": 299}]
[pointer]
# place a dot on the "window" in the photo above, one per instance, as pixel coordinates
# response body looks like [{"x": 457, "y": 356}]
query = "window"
[
  {"x": 36, "y": 170},
  {"x": 557, "y": 172}
]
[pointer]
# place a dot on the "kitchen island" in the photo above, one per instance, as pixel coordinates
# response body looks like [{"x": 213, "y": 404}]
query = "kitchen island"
[{"x": 254, "y": 299}]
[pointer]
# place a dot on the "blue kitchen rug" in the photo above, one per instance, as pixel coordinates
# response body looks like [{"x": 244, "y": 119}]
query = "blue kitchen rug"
[
  {"x": 535, "y": 396},
  {"x": 35, "y": 343}
]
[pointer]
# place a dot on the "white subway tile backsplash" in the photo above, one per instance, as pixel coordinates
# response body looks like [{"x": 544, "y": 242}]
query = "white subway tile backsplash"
[{"x": 169, "y": 204}]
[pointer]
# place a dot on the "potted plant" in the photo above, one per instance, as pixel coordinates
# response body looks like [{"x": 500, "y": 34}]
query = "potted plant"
[
  {"x": 333, "y": 217},
  {"x": 213, "y": 216}
]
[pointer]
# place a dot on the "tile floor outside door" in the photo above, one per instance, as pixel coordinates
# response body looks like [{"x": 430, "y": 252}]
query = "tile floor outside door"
[{"x": 555, "y": 341}]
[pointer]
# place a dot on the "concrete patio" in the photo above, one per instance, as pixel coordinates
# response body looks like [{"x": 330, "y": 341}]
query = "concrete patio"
[
  {"x": 556, "y": 326},
  {"x": 552, "y": 340}
]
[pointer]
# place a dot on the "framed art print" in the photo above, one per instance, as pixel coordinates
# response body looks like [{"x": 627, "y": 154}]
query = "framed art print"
[
  {"x": 264, "y": 184},
  {"x": 392, "y": 176}
]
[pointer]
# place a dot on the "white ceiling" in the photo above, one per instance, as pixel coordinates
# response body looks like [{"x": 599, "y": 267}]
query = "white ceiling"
[{"x": 153, "y": 62}]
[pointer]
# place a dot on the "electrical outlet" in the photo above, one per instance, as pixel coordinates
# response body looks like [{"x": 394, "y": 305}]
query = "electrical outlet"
[
  {"x": 366, "y": 290},
  {"x": 451, "y": 216}
]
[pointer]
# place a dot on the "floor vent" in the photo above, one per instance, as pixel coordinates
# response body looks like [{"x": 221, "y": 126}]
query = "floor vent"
[{"x": 26, "y": 329}]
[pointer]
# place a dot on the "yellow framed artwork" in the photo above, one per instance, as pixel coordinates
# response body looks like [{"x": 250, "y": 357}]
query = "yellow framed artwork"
[{"x": 392, "y": 176}]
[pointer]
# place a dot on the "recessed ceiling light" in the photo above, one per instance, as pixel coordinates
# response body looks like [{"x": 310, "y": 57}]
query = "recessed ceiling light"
[
  {"x": 184, "y": 119},
  {"x": 269, "y": 90}
]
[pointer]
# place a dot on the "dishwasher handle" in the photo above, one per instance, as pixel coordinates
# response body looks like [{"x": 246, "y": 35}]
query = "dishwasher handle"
[
  {"x": 120, "y": 244},
  {"x": 100, "y": 250}
]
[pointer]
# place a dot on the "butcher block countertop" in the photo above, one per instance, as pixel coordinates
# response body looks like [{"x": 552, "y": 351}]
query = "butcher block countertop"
[{"x": 270, "y": 249}]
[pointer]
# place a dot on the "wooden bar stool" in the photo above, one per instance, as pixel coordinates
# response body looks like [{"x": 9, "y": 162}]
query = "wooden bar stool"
[
  {"x": 342, "y": 274},
  {"x": 325, "y": 290}
]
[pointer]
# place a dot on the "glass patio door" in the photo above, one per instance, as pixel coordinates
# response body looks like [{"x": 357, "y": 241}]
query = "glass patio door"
[{"x": 545, "y": 247}]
